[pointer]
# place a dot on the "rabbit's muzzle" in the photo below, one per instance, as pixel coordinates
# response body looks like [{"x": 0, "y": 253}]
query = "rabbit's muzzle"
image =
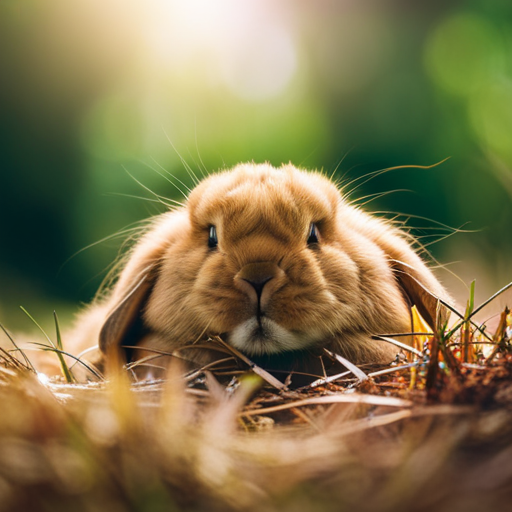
[{"x": 259, "y": 281}]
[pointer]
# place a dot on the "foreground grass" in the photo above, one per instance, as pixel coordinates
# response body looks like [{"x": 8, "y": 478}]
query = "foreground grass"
[{"x": 433, "y": 431}]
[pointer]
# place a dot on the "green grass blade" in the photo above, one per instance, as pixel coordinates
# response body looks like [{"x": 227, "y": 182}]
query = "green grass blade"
[
  {"x": 467, "y": 323},
  {"x": 37, "y": 325},
  {"x": 46, "y": 348},
  {"x": 57, "y": 331},
  {"x": 68, "y": 375},
  {"x": 471, "y": 301},
  {"x": 64, "y": 367}
]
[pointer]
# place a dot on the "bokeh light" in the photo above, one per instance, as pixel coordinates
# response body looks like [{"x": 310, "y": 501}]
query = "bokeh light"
[
  {"x": 491, "y": 117},
  {"x": 464, "y": 53}
]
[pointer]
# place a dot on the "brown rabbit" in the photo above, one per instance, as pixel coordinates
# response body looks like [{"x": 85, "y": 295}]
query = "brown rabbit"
[{"x": 277, "y": 263}]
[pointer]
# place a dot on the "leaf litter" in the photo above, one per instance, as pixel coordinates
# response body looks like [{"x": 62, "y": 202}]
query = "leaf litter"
[{"x": 431, "y": 430}]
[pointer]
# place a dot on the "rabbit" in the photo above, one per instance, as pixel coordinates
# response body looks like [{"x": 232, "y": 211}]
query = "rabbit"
[{"x": 273, "y": 260}]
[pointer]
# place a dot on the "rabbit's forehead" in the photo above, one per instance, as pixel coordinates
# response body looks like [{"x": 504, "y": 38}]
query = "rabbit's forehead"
[{"x": 292, "y": 198}]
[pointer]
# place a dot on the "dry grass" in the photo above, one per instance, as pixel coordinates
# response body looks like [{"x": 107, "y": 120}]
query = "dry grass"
[{"x": 432, "y": 431}]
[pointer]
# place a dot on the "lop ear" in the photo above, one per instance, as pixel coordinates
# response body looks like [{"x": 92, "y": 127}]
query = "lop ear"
[
  {"x": 420, "y": 287},
  {"x": 427, "y": 303},
  {"x": 124, "y": 325}
]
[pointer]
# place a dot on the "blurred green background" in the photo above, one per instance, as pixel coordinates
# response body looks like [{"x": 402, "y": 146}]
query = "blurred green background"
[{"x": 90, "y": 89}]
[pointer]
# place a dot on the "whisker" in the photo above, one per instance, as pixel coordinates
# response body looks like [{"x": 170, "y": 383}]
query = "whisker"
[
  {"x": 423, "y": 251},
  {"x": 420, "y": 247},
  {"x": 374, "y": 174},
  {"x": 202, "y": 167},
  {"x": 305, "y": 159},
  {"x": 138, "y": 226},
  {"x": 194, "y": 177},
  {"x": 419, "y": 217},
  {"x": 167, "y": 176},
  {"x": 171, "y": 175},
  {"x": 340, "y": 162},
  {"x": 439, "y": 239},
  {"x": 444, "y": 265},
  {"x": 162, "y": 199},
  {"x": 183, "y": 161},
  {"x": 144, "y": 198},
  {"x": 341, "y": 180},
  {"x": 375, "y": 196}
]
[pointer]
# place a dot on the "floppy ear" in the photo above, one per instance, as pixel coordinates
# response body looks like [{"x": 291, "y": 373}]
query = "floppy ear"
[
  {"x": 427, "y": 303},
  {"x": 420, "y": 287},
  {"x": 123, "y": 325}
]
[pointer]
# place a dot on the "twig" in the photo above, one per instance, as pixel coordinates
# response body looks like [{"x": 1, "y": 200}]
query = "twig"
[
  {"x": 361, "y": 376},
  {"x": 253, "y": 366},
  {"x": 327, "y": 380},
  {"x": 27, "y": 360},
  {"x": 354, "y": 398},
  {"x": 400, "y": 344},
  {"x": 395, "y": 369}
]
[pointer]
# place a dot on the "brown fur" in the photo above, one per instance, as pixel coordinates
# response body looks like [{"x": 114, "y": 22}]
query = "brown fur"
[{"x": 358, "y": 281}]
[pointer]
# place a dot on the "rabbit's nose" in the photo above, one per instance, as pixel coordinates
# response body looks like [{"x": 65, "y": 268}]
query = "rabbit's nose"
[
  {"x": 259, "y": 283},
  {"x": 253, "y": 278}
]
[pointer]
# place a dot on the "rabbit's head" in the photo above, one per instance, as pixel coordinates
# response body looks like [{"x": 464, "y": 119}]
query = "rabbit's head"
[{"x": 274, "y": 261}]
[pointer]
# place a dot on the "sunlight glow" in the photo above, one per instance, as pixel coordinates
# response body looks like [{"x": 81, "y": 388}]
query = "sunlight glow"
[{"x": 245, "y": 46}]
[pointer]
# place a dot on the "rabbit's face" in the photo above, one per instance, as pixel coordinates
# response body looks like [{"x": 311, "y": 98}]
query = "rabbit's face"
[
  {"x": 273, "y": 260},
  {"x": 269, "y": 258}
]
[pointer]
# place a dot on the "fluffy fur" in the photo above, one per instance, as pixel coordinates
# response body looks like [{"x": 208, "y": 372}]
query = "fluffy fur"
[{"x": 360, "y": 279}]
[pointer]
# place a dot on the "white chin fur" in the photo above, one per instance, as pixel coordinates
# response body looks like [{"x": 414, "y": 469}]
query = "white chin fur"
[{"x": 271, "y": 338}]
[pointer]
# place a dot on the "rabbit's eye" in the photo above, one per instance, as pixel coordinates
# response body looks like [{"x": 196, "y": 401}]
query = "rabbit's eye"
[
  {"x": 212, "y": 239},
  {"x": 313, "y": 234}
]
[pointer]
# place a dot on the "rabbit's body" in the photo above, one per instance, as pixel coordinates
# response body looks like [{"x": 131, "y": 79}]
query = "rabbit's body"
[{"x": 274, "y": 261}]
